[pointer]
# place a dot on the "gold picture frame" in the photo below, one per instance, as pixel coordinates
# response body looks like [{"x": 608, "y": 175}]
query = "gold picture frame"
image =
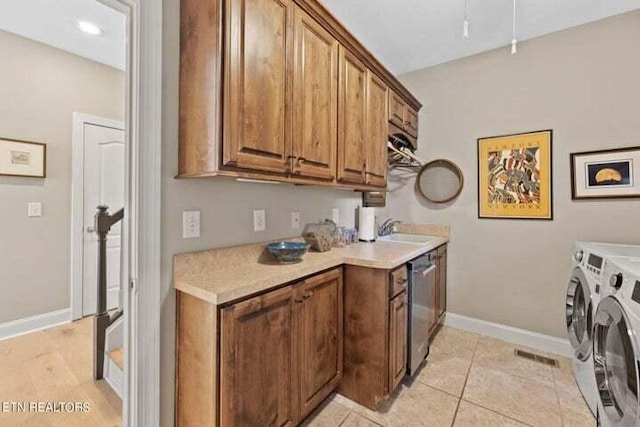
[
  {"x": 515, "y": 176},
  {"x": 23, "y": 158}
]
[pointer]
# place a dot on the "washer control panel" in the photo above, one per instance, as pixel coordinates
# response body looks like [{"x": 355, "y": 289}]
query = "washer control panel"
[{"x": 594, "y": 263}]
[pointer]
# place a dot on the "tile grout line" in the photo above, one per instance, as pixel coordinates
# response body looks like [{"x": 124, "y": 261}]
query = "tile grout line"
[
  {"x": 466, "y": 378},
  {"x": 555, "y": 388},
  {"x": 497, "y": 413}
]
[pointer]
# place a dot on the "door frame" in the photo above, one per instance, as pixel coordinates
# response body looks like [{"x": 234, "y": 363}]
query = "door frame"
[
  {"x": 141, "y": 243},
  {"x": 77, "y": 203}
]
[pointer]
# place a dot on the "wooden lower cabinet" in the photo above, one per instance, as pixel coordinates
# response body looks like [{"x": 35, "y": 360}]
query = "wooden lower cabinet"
[
  {"x": 276, "y": 356},
  {"x": 257, "y": 359},
  {"x": 439, "y": 291},
  {"x": 375, "y": 333},
  {"x": 319, "y": 319}
]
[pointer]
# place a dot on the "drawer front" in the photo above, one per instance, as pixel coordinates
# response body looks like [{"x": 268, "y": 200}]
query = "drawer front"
[
  {"x": 411, "y": 121},
  {"x": 397, "y": 108},
  {"x": 399, "y": 280}
]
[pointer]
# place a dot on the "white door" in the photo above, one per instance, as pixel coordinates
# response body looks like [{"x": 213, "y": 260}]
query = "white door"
[{"x": 104, "y": 180}]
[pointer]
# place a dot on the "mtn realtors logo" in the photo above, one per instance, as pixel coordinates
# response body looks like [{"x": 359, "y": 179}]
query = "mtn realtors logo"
[{"x": 46, "y": 407}]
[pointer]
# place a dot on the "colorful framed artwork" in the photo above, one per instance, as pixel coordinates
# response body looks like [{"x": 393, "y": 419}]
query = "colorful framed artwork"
[
  {"x": 515, "y": 176},
  {"x": 605, "y": 174},
  {"x": 22, "y": 158}
]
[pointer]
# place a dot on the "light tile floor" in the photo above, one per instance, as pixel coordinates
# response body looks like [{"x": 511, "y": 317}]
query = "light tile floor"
[
  {"x": 55, "y": 365},
  {"x": 471, "y": 381}
]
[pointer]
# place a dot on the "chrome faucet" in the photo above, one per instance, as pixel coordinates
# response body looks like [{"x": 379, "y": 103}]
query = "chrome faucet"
[{"x": 388, "y": 227}]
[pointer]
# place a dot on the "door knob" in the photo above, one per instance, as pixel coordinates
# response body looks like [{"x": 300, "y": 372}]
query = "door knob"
[{"x": 91, "y": 229}]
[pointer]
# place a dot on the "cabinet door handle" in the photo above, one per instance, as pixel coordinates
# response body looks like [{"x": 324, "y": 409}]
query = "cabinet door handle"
[
  {"x": 307, "y": 295},
  {"x": 402, "y": 281},
  {"x": 297, "y": 300}
]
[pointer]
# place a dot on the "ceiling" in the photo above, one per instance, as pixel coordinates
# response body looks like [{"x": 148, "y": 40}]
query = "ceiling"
[
  {"x": 54, "y": 22},
  {"x": 404, "y": 34},
  {"x": 407, "y": 35}
]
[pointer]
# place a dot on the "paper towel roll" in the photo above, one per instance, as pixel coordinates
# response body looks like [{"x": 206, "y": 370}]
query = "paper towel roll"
[{"x": 367, "y": 224}]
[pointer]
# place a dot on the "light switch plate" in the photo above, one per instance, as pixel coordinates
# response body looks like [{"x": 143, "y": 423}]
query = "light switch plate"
[
  {"x": 34, "y": 209},
  {"x": 259, "y": 220},
  {"x": 295, "y": 219},
  {"x": 190, "y": 224}
]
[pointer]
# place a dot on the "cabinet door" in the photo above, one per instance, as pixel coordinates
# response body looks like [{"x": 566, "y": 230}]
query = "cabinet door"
[
  {"x": 257, "y": 362},
  {"x": 397, "y": 340},
  {"x": 442, "y": 281},
  {"x": 352, "y": 114},
  {"x": 320, "y": 346},
  {"x": 377, "y": 131},
  {"x": 397, "y": 108},
  {"x": 258, "y": 77},
  {"x": 315, "y": 101}
]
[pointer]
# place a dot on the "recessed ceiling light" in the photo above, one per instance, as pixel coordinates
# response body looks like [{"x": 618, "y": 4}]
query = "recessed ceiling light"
[{"x": 89, "y": 28}]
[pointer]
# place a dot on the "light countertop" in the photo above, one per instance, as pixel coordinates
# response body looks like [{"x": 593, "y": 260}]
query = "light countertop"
[{"x": 222, "y": 275}]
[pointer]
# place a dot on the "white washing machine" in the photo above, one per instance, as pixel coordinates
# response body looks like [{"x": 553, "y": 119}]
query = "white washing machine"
[
  {"x": 583, "y": 297},
  {"x": 616, "y": 345}
]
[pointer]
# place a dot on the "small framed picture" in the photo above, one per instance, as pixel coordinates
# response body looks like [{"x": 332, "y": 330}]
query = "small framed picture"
[
  {"x": 22, "y": 158},
  {"x": 605, "y": 174}
]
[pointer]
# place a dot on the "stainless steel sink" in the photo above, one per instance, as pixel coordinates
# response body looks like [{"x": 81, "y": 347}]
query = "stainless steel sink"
[{"x": 415, "y": 239}]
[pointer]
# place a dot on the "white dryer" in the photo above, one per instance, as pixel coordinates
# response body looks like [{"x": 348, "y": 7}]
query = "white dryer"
[
  {"x": 583, "y": 297},
  {"x": 616, "y": 345}
]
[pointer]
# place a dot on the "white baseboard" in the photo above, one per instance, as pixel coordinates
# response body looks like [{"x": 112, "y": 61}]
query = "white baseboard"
[
  {"x": 36, "y": 323},
  {"x": 510, "y": 334}
]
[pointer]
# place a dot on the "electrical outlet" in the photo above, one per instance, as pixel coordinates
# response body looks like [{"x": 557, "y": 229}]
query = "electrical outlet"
[
  {"x": 295, "y": 219},
  {"x": 190, "y": 224},
  {"x": 259, "y": 220},
  {"x": 335, "y": 215},
  {"x": 34, "y": 209}
]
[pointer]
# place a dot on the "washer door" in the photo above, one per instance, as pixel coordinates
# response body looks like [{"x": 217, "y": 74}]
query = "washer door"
[
  {"x": 579, "y": 315},
  {"x": 616, "y": 365}
]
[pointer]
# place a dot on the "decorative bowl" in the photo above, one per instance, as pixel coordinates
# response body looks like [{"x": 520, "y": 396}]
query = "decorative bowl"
[{"x": 288, "y": 252}]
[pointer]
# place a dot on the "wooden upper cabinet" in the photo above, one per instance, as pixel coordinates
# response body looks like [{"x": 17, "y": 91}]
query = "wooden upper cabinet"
[
  {"x": 257, "y": 97},
  {"x": 256, "y": 357},
  {"x": 397, "y": 108},
  {"x": 352, "y": 118},
  {"x": 320, "y": 319},
  {"x": 315, "y": 134},
  {"x": 278, "y": 90},
  {"x": 402, "y": 114},
  {"x": 377, "y": 131}
]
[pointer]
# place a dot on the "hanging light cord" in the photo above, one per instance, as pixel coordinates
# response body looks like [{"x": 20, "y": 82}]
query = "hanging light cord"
[
  {"x": 514, "y": 41},
  {"x": 465, "y": 25}
]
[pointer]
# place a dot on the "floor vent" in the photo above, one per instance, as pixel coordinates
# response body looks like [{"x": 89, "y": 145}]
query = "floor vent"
[{"x": 537, "y": 358}]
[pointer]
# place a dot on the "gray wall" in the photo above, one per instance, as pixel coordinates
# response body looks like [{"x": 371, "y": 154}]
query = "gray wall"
[
  {"x": 582, "y": 83},
  {"x": 226, "y": 206},
  {"x": 41, "y": 87}
]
